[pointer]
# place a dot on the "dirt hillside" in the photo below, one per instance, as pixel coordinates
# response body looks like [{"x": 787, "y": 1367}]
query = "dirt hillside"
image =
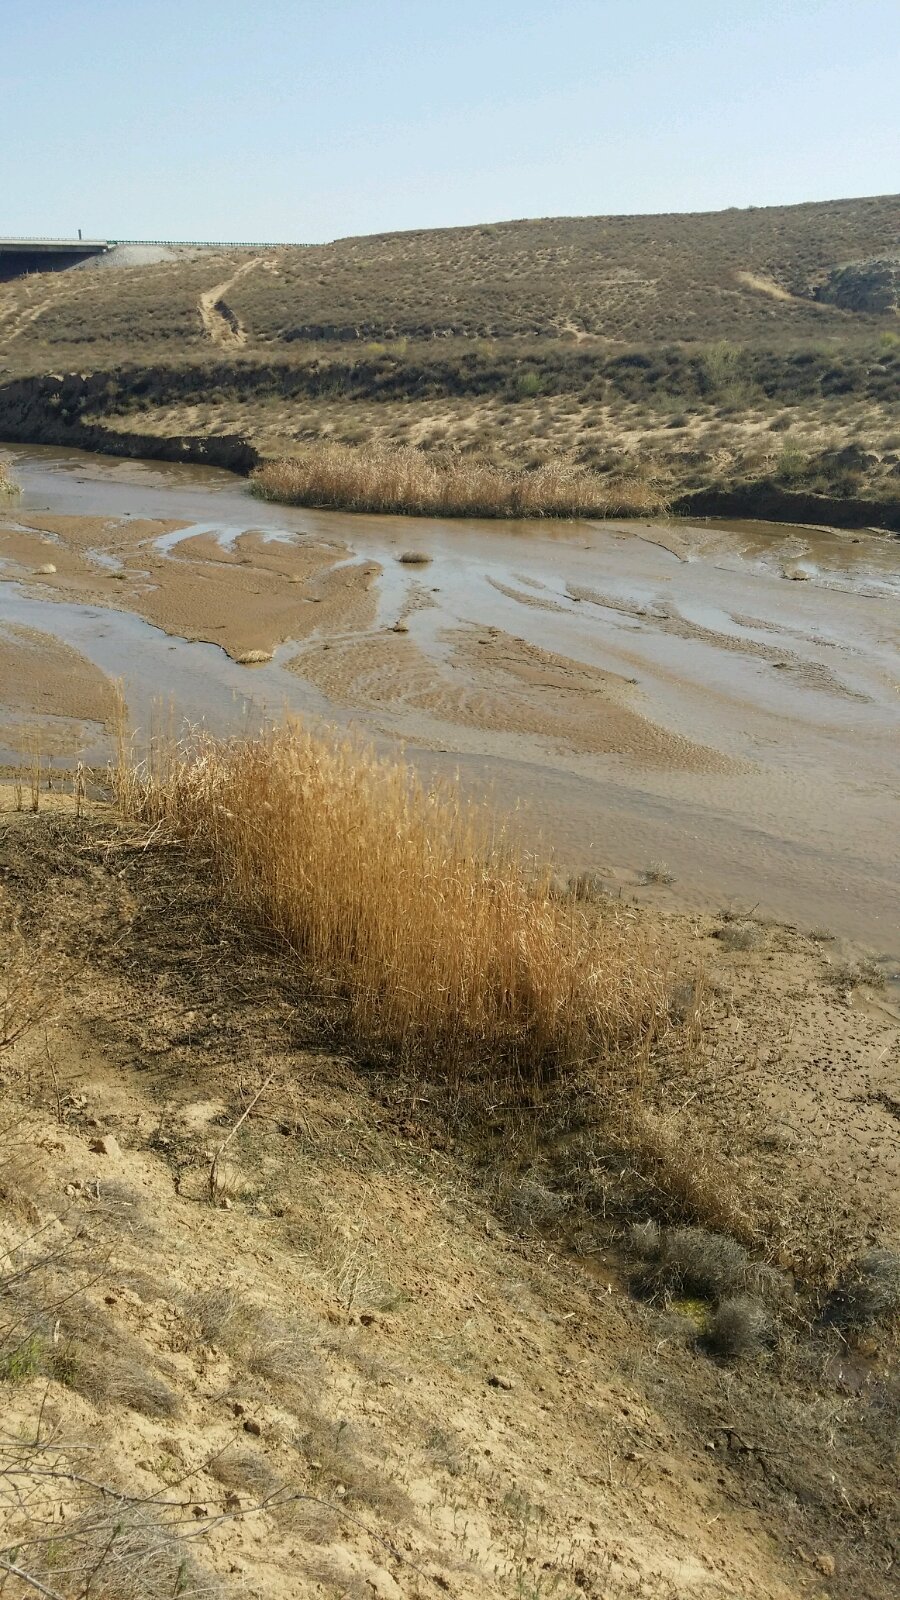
[
  {"x": 282, "y": 1325},
  {"x": 747, "y": 350}
]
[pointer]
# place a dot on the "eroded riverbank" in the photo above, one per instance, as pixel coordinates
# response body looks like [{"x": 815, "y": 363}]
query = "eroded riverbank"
[{"x": 722, "y": 698}]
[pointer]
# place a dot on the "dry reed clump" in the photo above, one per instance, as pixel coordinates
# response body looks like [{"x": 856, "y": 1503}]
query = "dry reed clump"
[
  {"x": 8, "y": 484},
  {"x": 411, "y": 902},
  {"x": 407, "y": 481}
]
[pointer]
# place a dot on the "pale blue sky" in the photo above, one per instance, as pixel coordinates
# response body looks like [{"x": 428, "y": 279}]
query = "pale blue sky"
[{"x": 290, "y": 120}]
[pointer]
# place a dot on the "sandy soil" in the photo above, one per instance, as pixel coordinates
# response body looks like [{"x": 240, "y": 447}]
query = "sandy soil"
[
  {"x": 364, "y": 1320},
  {"x": 495, "y": 683},
  {"x": 246, "y": 597},
  {"x": 49, "y": 693}
]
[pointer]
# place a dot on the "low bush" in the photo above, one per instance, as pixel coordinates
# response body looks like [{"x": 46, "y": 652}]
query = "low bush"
[
  {"x": 740, "y": 1326},
  {"x": 869, "y": 1292}
]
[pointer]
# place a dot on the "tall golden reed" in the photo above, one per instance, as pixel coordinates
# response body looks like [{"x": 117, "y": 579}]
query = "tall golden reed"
[
  {"x": 408, "y": 481},
  {"x": 410, "y": 902}
]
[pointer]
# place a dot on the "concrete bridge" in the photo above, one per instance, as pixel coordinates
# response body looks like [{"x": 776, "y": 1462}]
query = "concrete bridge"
[{"x": 19, "y": 256}]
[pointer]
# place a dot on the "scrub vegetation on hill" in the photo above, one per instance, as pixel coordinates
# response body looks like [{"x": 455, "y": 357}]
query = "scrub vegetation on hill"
[{"x": 756, "y": 350}]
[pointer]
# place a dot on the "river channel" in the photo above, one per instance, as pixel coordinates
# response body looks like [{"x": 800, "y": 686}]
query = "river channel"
[{"x": 721, "y": 698}]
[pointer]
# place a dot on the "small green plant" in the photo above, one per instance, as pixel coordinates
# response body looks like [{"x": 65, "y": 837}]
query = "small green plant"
[
  {"x": 792, "y": 463},
  {"x": 22, "y": 1362},
  {"x": 529, "y": 384}
]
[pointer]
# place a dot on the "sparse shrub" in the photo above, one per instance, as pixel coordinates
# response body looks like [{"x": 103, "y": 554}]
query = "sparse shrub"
[
  {"x": 870, "y": 1291},
  {"x": 792, "y": 463},
  {"x": 531, "y": 1204},
  {"x": 23, "y": 1360},
  {"x": 529, "y": 384},
  {"x": 246, "y": 1471},
  {"x": 699, "y": 1262},
  {"x": 334, "y": 1452},
  {"x": 133, "y": 1384},
  {"x": 252, "y": 1335},
  {"x": 8, "y": 485},
  {"x": 740, "y": 1326},
  {"x": 741, "y": 936},
  {"x": 645, "y": 1239},
  {"x": 850, "y": 974},
  {"x": 657, "y": 872}
]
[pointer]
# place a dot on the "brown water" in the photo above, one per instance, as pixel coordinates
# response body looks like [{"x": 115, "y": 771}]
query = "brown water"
[{"x": 723, "y": 697}]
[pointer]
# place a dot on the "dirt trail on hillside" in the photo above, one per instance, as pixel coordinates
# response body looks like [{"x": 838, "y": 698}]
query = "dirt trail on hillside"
[
  {"x": 14, "y": 318},
  {"x": 221, "y": 323}
]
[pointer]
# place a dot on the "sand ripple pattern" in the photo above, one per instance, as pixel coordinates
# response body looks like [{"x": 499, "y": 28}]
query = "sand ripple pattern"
[{"x": 491, "y": 681}]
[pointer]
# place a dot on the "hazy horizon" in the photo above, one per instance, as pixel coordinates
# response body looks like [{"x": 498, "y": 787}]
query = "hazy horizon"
[{"x": 295, "y": 123}]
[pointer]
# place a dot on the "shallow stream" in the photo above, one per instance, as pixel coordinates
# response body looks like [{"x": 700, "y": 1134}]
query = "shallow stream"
[{"x": 721, "y": 697}]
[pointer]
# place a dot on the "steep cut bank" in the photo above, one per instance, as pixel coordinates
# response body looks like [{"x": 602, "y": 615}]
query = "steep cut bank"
[
  {"x": 409, "y": 479},
  {"x": 50, "y": 411}
]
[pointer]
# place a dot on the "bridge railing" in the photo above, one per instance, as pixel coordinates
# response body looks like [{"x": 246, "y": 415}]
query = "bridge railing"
[{"x": 183, "y": 244}]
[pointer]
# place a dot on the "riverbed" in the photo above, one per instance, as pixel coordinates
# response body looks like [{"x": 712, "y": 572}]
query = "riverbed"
[{"x": 715, "y": 702}]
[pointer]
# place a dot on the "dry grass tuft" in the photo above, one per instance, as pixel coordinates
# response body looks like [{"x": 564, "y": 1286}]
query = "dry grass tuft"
[
  {"x": 8, "y": 485},
  {"x": 657, "y": 872},
  {"x": 407, "y": 481},
  {"x": 254, "y": 658},
  {"x": 531, "y": 1204},
  {"x": 412, "y": 904},
  {"x": 869, "y": 1293},
  {"x": 256, "y": 1338},
  {"x": 740, "y": 1326},
  {"x": 695, "y": 1261}
]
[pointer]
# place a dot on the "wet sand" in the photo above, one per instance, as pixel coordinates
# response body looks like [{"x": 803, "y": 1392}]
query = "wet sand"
[
  {"x": 52, "y": 699},
  {"x": 642, "y": 692}
]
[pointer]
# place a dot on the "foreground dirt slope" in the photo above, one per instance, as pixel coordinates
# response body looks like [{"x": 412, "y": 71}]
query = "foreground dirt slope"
[{"x": 340, "y": 1360}]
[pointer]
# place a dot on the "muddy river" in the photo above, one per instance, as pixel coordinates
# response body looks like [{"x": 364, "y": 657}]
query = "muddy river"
[{"x": 720, "y": 698}]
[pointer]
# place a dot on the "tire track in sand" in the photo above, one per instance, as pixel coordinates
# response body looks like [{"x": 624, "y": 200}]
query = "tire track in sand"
[{"x": 220, "y": 322}]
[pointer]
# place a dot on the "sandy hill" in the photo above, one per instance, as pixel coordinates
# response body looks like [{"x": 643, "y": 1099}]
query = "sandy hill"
[
  {"x": 756, "y": 348},
  {"x": 764, "y": 274}
]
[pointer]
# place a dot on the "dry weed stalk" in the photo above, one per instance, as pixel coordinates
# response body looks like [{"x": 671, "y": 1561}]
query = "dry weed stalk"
[
  {"x": 408, "y": 481},
  {"x": 26, "y": 989},
  {"x": 410, "y": 901}
]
